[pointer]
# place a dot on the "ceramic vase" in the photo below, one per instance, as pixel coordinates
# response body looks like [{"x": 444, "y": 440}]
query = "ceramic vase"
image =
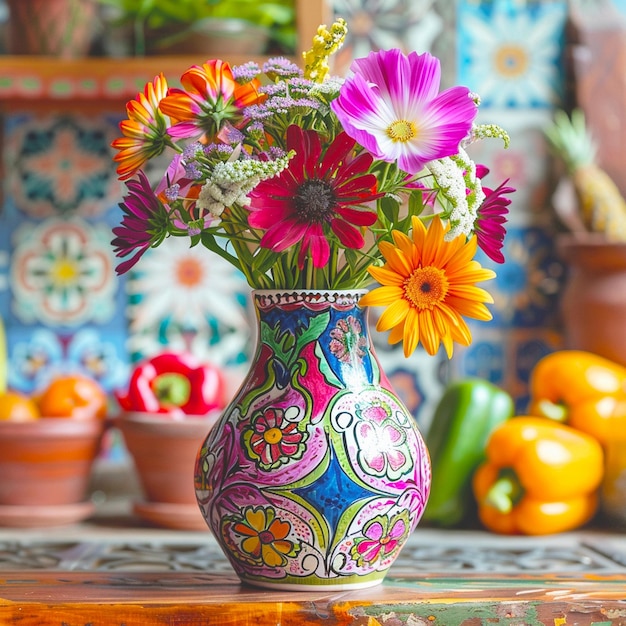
[
  {"x": 593, "y": 303},
  {"x": 316, "y": 474},
  {"x": 163, "y": 451}
]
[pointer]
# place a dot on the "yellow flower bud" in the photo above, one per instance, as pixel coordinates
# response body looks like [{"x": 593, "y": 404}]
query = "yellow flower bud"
[{"x": 325, "y": 43}]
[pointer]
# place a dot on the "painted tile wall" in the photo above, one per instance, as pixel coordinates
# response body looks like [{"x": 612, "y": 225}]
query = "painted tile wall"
[
  {"x": 510, "y": 53},
  {"x": 65, "y": 309}
]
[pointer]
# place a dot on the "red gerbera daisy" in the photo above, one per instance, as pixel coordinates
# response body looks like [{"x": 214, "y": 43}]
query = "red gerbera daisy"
[{"x": 320, "y": 195}]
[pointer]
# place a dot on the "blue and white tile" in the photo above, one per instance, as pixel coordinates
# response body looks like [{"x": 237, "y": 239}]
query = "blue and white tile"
[{"x": 511, "y": 52}]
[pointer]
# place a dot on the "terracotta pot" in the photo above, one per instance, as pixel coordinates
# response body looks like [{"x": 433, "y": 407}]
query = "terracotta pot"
[
  {"x": 164, "y": 452},
  {"x": 593, "y": 303},
  {"x": 45, "y": 467},
  {"x": 62, "y": 28}
]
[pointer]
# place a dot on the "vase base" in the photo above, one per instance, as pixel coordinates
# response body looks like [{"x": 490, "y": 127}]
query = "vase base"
[{"x": 321, "y": 586}]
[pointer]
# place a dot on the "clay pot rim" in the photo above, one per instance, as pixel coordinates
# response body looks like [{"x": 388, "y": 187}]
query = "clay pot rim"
[
  {"x": 189, "y": 426},
  {"x": 591, "y": 250},
  {"x": 165, "y": 418},
  {"x": 54, "y": 428},
  {"x": 587, "y": 240}
]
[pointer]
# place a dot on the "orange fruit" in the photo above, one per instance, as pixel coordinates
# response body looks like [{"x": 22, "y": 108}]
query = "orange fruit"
[
  {"x": 74, "y": 396},
  {"x": 18, "y": 407}
]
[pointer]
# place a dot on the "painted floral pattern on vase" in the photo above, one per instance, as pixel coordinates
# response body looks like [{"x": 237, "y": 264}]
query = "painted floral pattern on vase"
[{"x": 316, "y": 473}]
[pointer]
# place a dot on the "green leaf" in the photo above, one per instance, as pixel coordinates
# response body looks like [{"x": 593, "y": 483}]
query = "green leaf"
[
  {"x": 416, "y": 202},
  {"x": 390, "y": 208}
]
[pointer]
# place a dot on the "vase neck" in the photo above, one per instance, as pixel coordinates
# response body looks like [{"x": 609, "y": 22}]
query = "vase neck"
[{"x": 298, "y": 324}]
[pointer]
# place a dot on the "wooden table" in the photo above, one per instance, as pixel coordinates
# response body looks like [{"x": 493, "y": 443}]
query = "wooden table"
[{"x": 116, "y": 570}]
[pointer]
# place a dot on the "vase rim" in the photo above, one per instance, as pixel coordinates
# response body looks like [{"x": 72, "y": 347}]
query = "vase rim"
[{"x": 316, "y": 292}]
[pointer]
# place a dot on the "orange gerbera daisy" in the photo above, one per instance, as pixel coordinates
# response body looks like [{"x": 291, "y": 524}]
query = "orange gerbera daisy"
[
  {"x": 428, "y": 287},
  {"x": 144, "y": 132},
  {"x": 210, "y": 98}
]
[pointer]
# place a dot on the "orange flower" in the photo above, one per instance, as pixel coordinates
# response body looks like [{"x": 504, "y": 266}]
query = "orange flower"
[
  {"x": 427, "y": 287},
  {"x": 144, "y": 132},
  {"x": 210, "y": 98}
]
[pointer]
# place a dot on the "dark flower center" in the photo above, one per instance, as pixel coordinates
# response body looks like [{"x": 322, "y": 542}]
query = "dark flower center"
[{"x": 315, "y": 201}]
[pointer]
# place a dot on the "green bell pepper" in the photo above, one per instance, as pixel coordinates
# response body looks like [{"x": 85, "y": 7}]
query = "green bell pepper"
[{"x": 467, "y": 413}]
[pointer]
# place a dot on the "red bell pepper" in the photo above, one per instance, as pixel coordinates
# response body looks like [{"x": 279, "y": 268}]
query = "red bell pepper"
[{"x": 174, "y": 383}]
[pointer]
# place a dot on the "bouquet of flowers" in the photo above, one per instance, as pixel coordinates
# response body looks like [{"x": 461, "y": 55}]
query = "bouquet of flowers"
[{"x": 306, "y": 181}]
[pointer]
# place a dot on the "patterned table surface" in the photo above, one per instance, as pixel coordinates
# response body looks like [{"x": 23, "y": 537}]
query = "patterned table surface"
[
  {"x": 115, "y": 570},
  {"x": 121, "y": 544}
]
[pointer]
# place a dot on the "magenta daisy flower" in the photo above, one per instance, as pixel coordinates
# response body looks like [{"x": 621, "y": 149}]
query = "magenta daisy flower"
[
  {"x": 320, "y": 195},
  {"x": 391, "y": 105},
  {"x": 144, "y": 223},
  {"x": 489, "y": 225}
]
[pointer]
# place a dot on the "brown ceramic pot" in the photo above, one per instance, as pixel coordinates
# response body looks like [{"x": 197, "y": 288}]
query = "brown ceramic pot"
[
  {"x": 45, "y": 468},
  {"x": 593, "y": 303},
  {"x": 164, "y": 451}
]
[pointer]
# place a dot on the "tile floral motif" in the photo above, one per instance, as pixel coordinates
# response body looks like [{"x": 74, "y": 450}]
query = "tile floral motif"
[
  {"x": 60, "y": 165},
  {"x": 527, "y": 164},
  {"x": 375, "y": 25},
  {"x": 525, "y": 312},
  {"x": 38, "y": 355},
  {"x": 526, "y": 287},
  {"x": 506, "y": 359},
  {"x": 510, "y": 52},
  {"x": 186, "y": 298},
  {"x": 62, "y": 273}
]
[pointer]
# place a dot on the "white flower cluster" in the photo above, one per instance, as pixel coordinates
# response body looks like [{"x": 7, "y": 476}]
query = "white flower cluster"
[
  {"x": 455, "y": 176},
  {"x": 231, "y": 182},
  {"x": 488, "y": 131}
]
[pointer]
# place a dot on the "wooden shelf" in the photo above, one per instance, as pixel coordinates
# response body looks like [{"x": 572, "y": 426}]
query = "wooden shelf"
[{"x": 34, "y": 79}]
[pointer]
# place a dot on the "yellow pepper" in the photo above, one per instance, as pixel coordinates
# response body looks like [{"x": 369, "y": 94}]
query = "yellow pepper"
[
  {"x": 540, "y": 477},
  {"x": 578, "y": 388}
]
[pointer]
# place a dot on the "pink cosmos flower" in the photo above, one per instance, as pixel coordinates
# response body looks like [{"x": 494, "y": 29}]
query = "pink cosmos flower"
[
  {"x": 391, "y": 105},
  {"x": 320, "y": 195}
]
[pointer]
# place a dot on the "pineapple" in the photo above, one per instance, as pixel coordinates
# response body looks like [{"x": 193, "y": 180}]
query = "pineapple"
[{"x": 601, "y": 205}]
